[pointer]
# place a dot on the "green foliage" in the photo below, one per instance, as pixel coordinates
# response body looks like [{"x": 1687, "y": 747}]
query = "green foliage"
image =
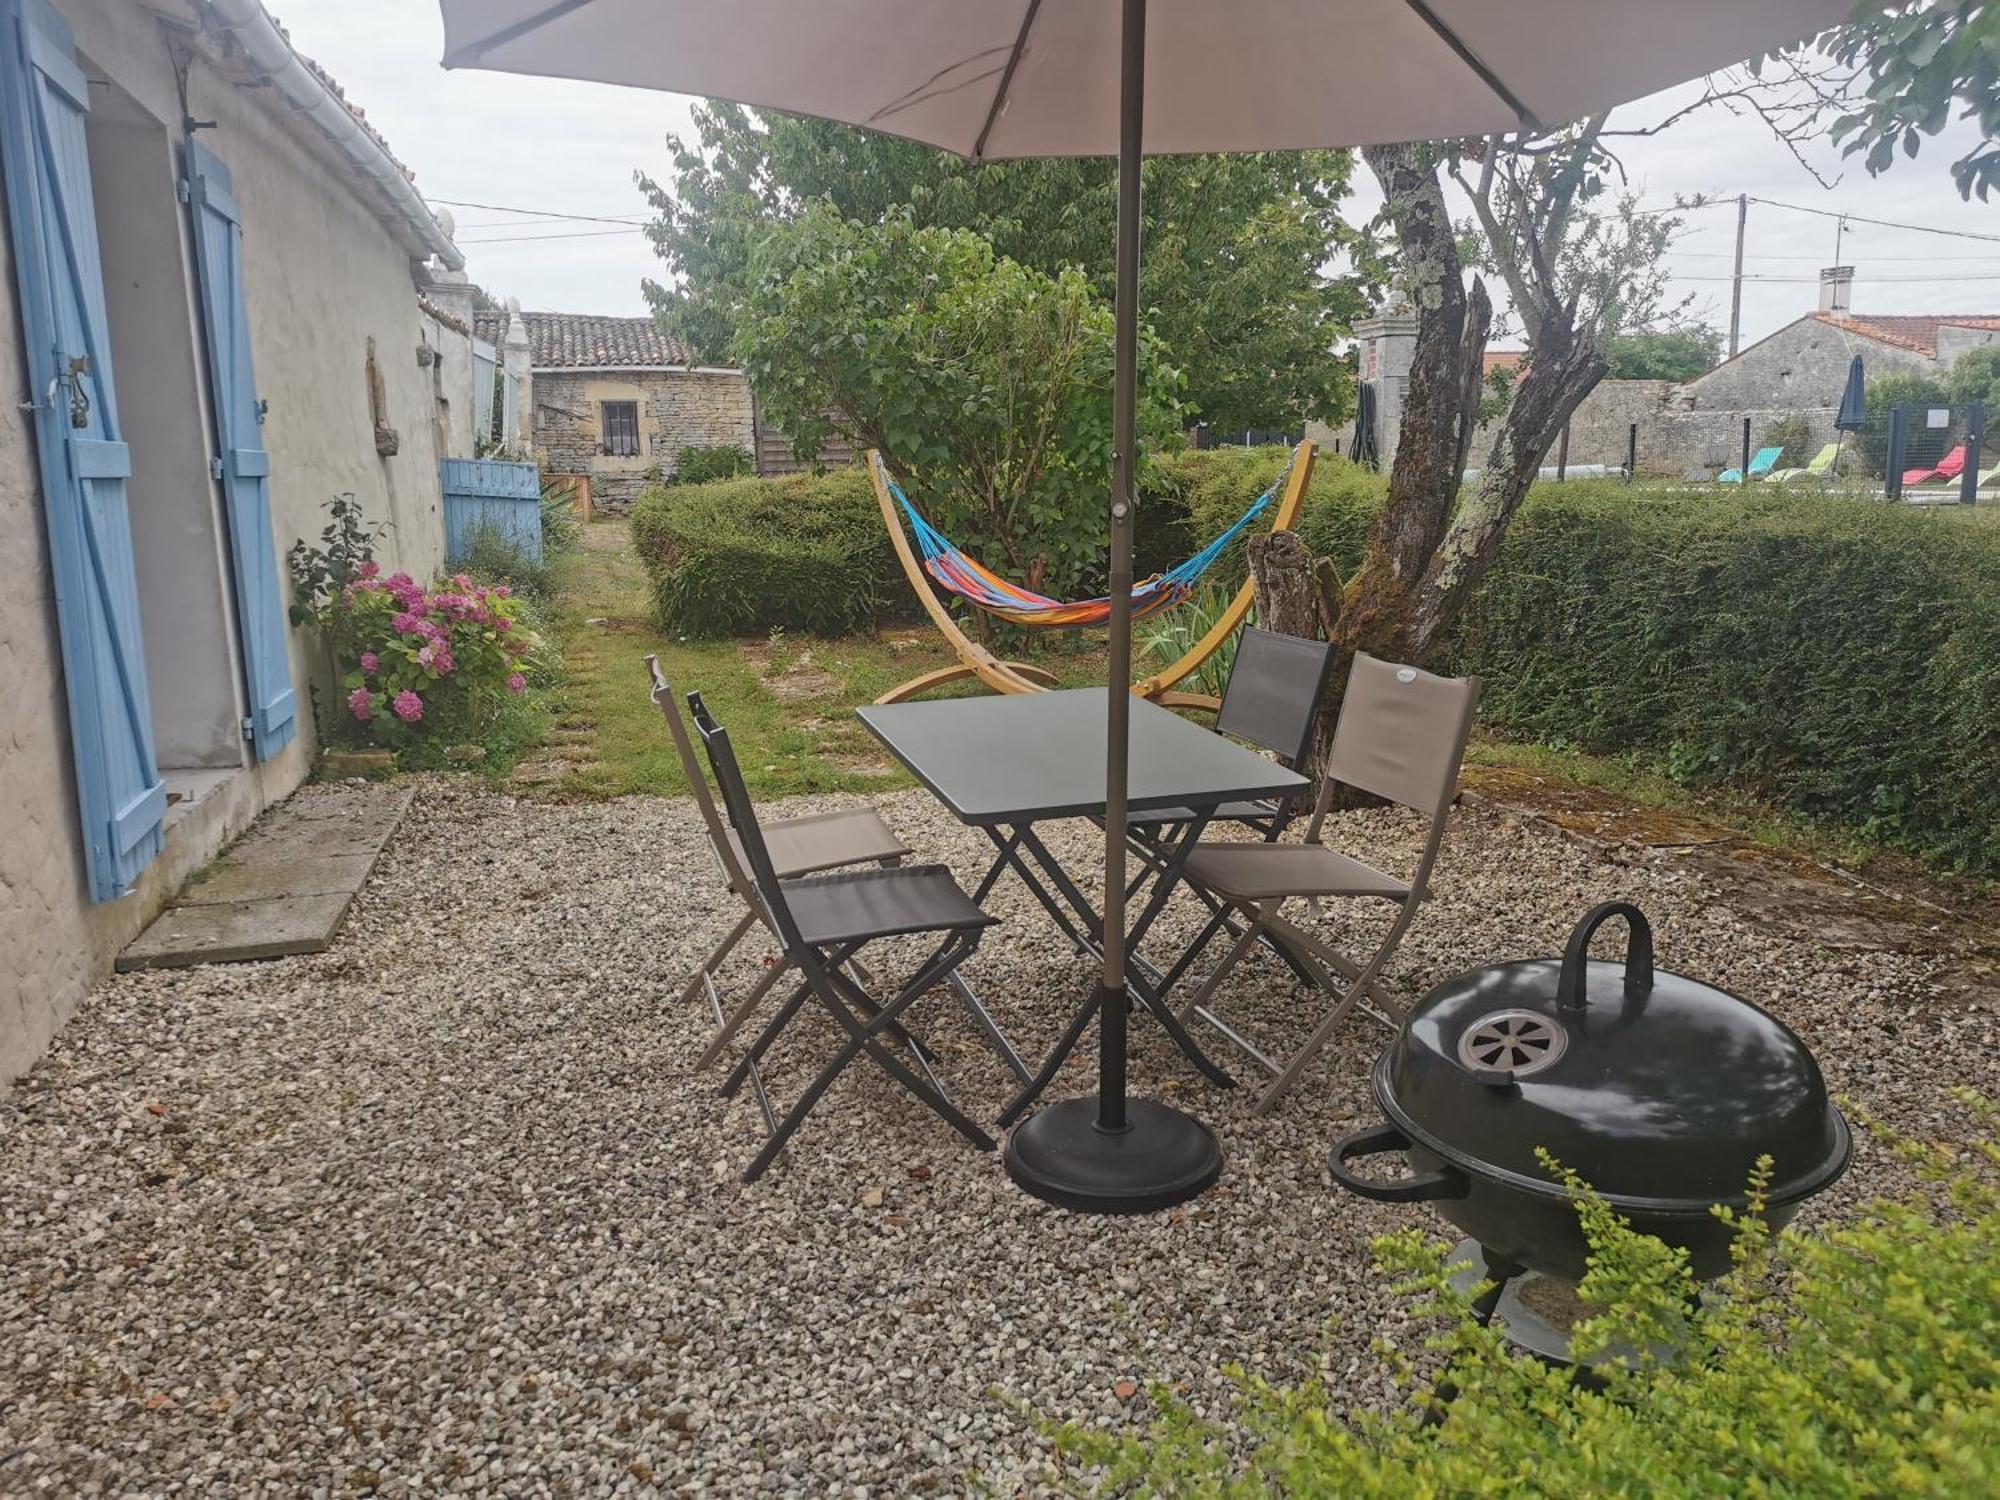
[
  {"x": 744, "y": 556},
  {"x": 320, "y": 574},
  {"x": 985, "y": 384},
  {"x": 693, "y": 465},
  {"x": 1667, "y": 354},
  {"x": 1165, "y": 639},
  {"x": 562, "y": 531},
  {"x": 1861, "y": 1362},
  {"x": 1975, "y": 376},
  {"x": 493, "y": 555},
  {"x": 1795, "y": 435},
  {"x": 1920, "y": 58},
  {"x": 1236, "y": 246},
  {"x": 1213, "y": 487},
  {"x": 1884, "y": 393},
  {"x": 1839, "y": 657}
]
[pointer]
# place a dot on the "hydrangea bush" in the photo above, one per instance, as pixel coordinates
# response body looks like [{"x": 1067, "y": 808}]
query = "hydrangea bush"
[{"x": 411, "y": 655}]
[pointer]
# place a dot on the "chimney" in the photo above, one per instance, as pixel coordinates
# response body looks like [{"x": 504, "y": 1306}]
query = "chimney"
[{"x": 1836, "y": 289}]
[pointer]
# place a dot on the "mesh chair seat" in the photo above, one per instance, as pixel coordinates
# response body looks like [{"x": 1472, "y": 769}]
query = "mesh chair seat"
[
  {"x": 825, "y": 841},
  {"x": 1256, "y": 872},
  {"x": 860, "y": 905}
]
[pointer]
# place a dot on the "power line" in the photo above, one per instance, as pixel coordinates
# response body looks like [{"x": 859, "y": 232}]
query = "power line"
[
  {"x": 543, "y": 213},
  {"x": 1872, "y": 281},
  {"x": 1830, "y": 213},
  {"x": 573, "y": 234},
  {"x": 1898, "y": 259}
]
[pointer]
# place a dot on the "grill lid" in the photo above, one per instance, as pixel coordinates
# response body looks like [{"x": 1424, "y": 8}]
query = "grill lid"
[{"x": 1659, "y": 1090}]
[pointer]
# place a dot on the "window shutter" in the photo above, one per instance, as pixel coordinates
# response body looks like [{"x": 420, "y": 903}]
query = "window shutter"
[
  {"x": 84, "y": 465},
  {"x": 246, "y": 467}
]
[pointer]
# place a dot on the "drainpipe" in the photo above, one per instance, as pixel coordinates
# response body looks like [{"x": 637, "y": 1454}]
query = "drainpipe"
[{"x": 267, "y": 49}]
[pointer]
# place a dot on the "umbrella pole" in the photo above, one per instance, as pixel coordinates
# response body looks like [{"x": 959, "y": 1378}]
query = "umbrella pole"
[{"x": 1114, "y": 1154}]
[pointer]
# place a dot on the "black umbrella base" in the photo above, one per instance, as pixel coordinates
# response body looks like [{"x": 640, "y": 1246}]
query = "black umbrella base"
[{"x": 1161, "y": 1158}]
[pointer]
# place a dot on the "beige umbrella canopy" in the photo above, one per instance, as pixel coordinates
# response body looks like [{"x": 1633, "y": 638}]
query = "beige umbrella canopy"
[{"x": 995, "y": 79}]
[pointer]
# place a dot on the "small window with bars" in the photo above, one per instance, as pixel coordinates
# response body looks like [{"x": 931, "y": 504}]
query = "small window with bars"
[{"x": 621, "y": 429}]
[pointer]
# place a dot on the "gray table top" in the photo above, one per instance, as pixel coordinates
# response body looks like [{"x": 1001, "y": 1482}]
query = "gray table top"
[{"x": 1023, "y": 757}]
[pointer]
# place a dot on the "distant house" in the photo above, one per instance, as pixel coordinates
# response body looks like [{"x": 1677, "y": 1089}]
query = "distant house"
[
  {"x": 613, "y": 401},
  {"x": 204, "y": 336}
]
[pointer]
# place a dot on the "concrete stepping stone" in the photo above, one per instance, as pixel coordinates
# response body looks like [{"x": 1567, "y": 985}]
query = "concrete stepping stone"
[{"x": 281, "y": 889}]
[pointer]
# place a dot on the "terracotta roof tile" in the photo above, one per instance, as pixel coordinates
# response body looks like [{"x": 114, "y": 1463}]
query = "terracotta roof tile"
[
  {"x": 1918, "y": 332},
  {"x": 584, "y": 341}
]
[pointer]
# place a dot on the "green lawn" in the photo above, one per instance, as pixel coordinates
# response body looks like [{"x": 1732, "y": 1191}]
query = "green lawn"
[{"x": 788, "y": 702}]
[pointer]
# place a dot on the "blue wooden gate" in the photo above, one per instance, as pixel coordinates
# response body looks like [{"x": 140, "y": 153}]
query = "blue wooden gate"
[
  {"x": 482, "y": 493},
  {"x": 83, "y": 460},
  {"x": 241, "y": 462}
]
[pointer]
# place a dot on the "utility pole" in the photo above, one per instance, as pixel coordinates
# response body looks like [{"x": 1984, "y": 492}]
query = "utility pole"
[{"x": 1736, "y": 280}]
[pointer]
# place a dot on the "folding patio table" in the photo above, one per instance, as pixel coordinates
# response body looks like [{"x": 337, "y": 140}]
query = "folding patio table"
[{"x": 1007, "y": 763}]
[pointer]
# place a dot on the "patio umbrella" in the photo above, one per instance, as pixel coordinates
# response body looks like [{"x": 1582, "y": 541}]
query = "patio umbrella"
[
  {"x": 1853, "y": 408},
  {"x": 992, "y": 80}
]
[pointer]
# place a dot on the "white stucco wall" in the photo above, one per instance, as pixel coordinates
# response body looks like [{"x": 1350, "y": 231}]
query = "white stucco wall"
[{"x": 323, "y": 276}]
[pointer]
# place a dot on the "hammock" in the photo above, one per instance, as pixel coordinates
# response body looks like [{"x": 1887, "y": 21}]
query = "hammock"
[{"x": 984, "y": 589}]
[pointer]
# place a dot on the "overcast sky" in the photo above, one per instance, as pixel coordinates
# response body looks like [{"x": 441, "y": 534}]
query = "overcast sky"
[{"x": 533, "y": 143}]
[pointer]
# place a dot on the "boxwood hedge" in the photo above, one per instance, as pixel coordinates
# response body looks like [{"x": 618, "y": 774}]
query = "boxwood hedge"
[{"x": 1838, "y": 656}]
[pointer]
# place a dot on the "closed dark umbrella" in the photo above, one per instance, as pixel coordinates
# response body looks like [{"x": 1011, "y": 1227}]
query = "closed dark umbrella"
[
  {"x": 991, "y": 80},
  {"x": 1853, "y": 408}
]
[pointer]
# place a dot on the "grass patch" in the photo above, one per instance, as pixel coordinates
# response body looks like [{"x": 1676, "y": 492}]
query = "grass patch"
[{"x": 788, "y": 701}]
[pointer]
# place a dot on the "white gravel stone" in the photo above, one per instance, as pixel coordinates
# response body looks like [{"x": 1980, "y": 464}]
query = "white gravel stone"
[{"x": 444, "y": 1209}]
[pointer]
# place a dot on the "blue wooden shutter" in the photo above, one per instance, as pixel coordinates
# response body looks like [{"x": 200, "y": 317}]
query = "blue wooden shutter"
[
  {"x": 83, "y": 464},
  {"x": 239, "y": 444}
]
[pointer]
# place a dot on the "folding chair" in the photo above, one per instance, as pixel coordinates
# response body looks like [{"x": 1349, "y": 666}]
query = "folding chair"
[
  {"x": 823, "y": 921},
  {"x": 799, "y": 846},
  {"x": 1401, "y": 736}
]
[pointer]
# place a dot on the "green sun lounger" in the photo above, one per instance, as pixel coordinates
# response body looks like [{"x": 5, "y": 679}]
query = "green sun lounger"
[
  {"x": 1818, "y": 468},
  {"x": 1765, "y": 461}
]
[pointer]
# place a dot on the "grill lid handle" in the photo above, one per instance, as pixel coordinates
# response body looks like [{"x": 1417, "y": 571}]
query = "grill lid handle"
[{"x": 1574, "y": 979}]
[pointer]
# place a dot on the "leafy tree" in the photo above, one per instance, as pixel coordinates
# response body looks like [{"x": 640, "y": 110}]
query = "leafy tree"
[
  {"x": 1237, "y": 247},
  {"x": 1664, "y": 354},
  {"x": 1976, "y": 377},
  {"x": 1912, "y": 61},
  {"x": 986, "y": 384},
  {"x": 1883, "y": 394}
]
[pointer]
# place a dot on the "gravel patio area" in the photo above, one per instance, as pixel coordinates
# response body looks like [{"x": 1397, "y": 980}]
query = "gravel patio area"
[{"x": 443, "y": 1209}]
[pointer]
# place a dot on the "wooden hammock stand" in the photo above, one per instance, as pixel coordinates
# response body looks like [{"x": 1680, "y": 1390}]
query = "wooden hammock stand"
[{"x": 975, "y": 660}]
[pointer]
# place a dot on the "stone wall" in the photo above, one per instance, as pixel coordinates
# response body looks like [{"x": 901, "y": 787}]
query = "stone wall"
[
  {"x": 322, "y": 276},
  {"x": 677, "y": 409}
]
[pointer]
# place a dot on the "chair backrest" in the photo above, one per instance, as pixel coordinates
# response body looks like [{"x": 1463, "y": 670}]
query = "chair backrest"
[
  {"x": 743, "y": 817},
  {"x": 663, "y": 695},
  {"x": 1274, "y": 690},
  {"x": 1401, "y": 735},
  {"x": 1766, "y": 458},
  {"x": 1823, "y": 460}
]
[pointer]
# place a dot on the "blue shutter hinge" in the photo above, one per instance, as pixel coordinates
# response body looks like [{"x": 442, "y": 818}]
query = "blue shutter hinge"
[
  {"x": 249, "y": 730},
  {"x": 215, "y": 466},
  {"x": 185, "y": 192}
]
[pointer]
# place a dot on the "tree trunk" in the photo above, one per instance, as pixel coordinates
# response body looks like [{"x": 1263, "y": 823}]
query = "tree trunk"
[{"x": 1300, "y": 594}]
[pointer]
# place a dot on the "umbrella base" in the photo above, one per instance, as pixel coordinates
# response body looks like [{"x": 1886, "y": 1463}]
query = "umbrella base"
[{"x": 1163, "y": 1157}]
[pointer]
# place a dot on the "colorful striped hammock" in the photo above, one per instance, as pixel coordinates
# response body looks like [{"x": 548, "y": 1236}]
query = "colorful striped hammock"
[{"x": 984, "y": 589}]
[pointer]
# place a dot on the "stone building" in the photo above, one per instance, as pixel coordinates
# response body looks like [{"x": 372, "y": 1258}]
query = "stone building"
[
  {"x": 1798, "y": 371},
  {"x": 201, "y": 343},
  {"x": 612, "y": 401}
]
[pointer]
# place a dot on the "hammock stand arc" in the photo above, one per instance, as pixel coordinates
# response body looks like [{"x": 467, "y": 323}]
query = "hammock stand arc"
[{"x": 976, "y": 660}]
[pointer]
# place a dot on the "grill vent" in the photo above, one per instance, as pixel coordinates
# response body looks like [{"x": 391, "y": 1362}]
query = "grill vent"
[{"x": 1520, "y": 1042}]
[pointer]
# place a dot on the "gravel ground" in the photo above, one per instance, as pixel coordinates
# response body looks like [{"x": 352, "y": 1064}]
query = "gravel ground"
[{"x": 444, "y": 1210}]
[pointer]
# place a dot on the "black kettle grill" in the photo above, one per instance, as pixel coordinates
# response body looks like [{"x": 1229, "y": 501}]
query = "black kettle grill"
[{"x": 1659, "y": 1091}]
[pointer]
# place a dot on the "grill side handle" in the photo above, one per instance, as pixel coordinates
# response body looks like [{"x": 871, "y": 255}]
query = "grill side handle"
[
  {"x": 1446, "y": 1182},
  {"x": 1575, "y": 977}
]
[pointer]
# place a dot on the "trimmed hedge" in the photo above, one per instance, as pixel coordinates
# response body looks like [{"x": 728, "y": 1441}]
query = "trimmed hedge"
[
  {"x": 744, "y": 556},
  {"x": 1837, "y": 656}
]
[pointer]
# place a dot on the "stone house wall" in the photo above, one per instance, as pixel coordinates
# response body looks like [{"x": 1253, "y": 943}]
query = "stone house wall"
[{"x": 677, "y": 409}]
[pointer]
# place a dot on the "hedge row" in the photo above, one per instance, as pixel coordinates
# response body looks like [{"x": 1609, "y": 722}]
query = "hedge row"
[{"x": 1837, "y": 656}]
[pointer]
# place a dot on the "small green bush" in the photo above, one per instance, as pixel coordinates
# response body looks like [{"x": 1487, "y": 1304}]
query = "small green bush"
[
  {"x": 1794, "y": 434},
  {"x": 694, "y": 465},
  {"x": 492, "y": 555},
  {"x": 1838, "y": 656},
  {"x": 1213, "y": 486},
  {"x": 1860, "y": 1362},
  {"x": 745, "y": 556}
]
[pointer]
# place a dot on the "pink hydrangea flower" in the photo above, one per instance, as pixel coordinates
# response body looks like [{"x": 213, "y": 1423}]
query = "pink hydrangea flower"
[
  {"x": 501, "y": 622},
  {"x": 362, "y": 704},
  {"x": 408, "y": 706},
  {"x": 517, "y": 683},
  {"x": 370, "y": 662},
  {"x": 404, "y": 623},
  {"x": 442, "y": 659},
  {"x": 370, "y": 569}
]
